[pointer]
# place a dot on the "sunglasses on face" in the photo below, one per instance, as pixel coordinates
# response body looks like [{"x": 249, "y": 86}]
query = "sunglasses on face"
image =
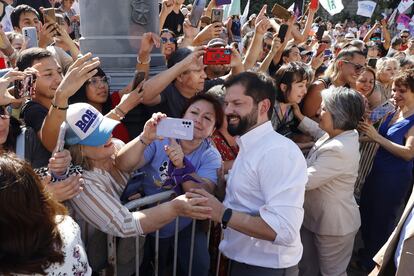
[
  {"x": 404, "y": 36},
  {"x": 358, "y": 68},
  {"x": 165, "y": 40},
  {"x": 267, "y": 46},
  {"x": 99, "y": 81},
  {"x": 3, "y": 113}
]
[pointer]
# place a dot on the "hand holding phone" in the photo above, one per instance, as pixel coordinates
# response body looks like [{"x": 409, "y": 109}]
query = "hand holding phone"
[
  {"x": 49, "y": 15},
  {"x": 280, "y": 12},
  {"x": 196, "y": 12},
  {"x": 282, "y": 32},
  {"x": 319, "y": 33},
  {"x": 138, "y": 78},
  {"x": 380, "y": 111},
  {"x": 25, "y": 88},
  {"x": 216, "y": 56},
  {"x": 216, "y": 15},
  {"x": 30, "y": 36},
  {"x": 176, "y": 128},
  {"x": 60, "y": 143}
]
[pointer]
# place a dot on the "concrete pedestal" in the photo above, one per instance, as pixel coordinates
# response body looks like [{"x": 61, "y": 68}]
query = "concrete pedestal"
[{"x": 112, "y": 31}]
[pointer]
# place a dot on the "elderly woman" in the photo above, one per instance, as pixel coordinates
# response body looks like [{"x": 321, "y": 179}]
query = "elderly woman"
[
  {"x": 93, "y": 148},
  {"x": 193, "y": 163},
  {"x": 331, "y": 218}
]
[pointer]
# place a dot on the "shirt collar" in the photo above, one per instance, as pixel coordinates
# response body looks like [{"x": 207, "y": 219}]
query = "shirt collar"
[{"x": 250, "y": 138}]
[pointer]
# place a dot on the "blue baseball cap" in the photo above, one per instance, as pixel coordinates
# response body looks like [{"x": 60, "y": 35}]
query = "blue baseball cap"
[{"x": 87, "y": 126}]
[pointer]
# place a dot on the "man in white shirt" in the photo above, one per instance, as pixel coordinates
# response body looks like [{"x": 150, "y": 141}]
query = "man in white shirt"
[{"x": 265, "y": 188}]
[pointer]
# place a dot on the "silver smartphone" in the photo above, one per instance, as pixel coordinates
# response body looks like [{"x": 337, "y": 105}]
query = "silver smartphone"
[
  {"x": 176, "y": 128},
  {"x": 30, "y": 35},
  {"x": 60, "y": 144}
]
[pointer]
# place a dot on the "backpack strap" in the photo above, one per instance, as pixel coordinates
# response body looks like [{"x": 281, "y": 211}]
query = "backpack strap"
[{"x": 20, "y": 144}]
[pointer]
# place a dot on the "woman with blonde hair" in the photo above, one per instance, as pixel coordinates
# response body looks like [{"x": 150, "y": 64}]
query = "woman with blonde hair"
[
  {"x": 344, "y": 71},
  {"x": 386, "y": 70}
]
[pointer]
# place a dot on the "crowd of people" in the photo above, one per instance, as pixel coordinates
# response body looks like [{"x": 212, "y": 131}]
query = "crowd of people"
[{"x": 302, "y": 140}]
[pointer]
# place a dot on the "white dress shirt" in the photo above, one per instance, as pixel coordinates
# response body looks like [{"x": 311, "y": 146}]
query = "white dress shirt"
[{"x": 268, "y": 180}]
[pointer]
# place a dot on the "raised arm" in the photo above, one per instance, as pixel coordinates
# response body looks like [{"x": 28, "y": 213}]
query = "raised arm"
[
  {"x": 80, "y": 71},
  {"x": 261, "y": 26},
  {"x": 166, "y": 8},
  {"x": 154, "y": 86}
]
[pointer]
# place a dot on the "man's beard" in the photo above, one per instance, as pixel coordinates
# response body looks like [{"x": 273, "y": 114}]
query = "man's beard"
[{"x": 244, "y": 125}]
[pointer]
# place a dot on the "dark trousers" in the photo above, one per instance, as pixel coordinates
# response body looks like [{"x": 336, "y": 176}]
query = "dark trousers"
[
  {"x": 240, "y": 269},
  {"x": 201, "y": 258}
]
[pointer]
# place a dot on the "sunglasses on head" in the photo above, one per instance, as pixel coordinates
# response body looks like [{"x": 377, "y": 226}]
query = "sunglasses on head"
[{"x": 171, "y": 40}]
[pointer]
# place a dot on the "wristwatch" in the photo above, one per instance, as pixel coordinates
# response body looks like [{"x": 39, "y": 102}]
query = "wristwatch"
[{"x": 226, "y": 217}]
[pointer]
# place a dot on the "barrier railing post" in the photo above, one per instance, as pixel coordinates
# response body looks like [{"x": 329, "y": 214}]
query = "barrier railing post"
[
  {"x": 190, "y": 266},
  {"x": 111, "y": 245},
  {"x": 175, "y": 246}
]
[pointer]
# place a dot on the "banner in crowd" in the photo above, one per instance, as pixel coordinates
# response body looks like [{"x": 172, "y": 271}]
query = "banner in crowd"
[
  {"x": 243, "y": 18},
  {"x": 297, "y": 8},
  {"x": 391, "y": 19},
  {"x": 332, "y": 6},
  {"x": 232, "y": 9},
  {"x": 366, "y": 8},
  {"x": 404, "y": 5},
  {"x": 403, "y": 21}
]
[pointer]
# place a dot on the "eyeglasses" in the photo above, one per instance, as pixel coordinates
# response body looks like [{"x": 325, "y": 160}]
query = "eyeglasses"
[
  {"x": 99, "y": 81},
  {"x": 165, "y": 40},
  {"x": 4, "y": 114},
  {"x": 358, "y": 68}
]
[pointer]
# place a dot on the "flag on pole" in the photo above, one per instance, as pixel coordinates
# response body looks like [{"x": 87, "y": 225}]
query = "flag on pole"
[
  {"x": 232, "y": 9},
  {"x": 404, "y": 5},
  {"x": 297, "y": 8},
  {"x": 332, "y": 6},
  {"x": 243, "y": 18},
  {"x": 392, "y": 17}
]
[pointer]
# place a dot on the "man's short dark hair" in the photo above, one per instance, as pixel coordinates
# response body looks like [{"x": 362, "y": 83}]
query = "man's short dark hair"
[
  {"x": 27, "y": 57},
  {"x": 15, "y": 15},
  {"x": 257, "y": 86},
  {"x": 178, "y": 56}
]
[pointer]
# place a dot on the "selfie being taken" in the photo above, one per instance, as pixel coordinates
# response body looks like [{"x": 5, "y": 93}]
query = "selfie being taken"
[{"x": 207, "y": 137}]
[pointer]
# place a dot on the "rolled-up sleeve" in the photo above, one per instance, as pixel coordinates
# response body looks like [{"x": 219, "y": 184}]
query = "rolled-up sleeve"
[
  {"x": 282, "y": 182},
  {"x": 103, "y": 211}
]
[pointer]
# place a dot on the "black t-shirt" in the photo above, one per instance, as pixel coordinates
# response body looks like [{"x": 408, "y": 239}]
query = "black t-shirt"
[
  {"x": 173, "y": 103},
  {"x": 174, "y": 22},
  {"x": 33, "y": 115}
]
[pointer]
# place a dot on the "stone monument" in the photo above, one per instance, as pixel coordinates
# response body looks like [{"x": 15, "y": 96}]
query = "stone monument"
[{"x": 112, "y": 31}]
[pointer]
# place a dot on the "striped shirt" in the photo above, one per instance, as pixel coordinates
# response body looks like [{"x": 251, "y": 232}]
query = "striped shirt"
[{"x": 99, "y": 205}]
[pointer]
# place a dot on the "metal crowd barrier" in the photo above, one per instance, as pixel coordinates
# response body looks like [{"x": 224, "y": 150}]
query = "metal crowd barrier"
[{"x": 136, "y": 205}]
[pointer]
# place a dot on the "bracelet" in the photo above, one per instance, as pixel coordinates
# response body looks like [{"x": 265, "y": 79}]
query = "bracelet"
[
  {"x": 144, "y": 63},
  {"x": 117, "y": 115},
  {"x": 142, "y": 141},
  {"x": 58, "y": 107},
  {"x": 117, "y": 108}
]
